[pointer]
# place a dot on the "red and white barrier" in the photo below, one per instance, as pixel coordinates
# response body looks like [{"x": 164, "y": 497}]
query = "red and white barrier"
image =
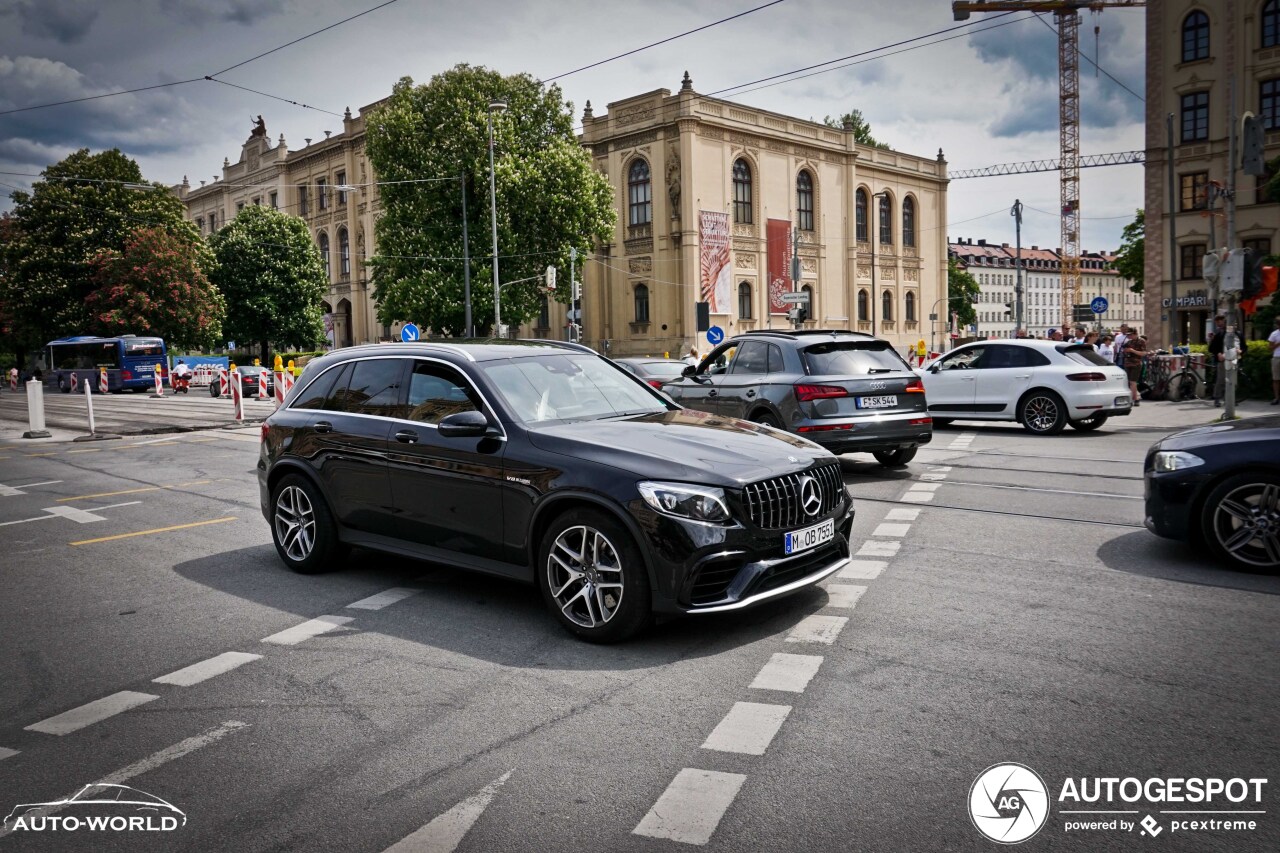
[
  {"x": 279, "y": 388},
  {"x": 102, "y": 381},
  {"x": 288, "y": 383},
  {"x": 159, "y": 392},
  {"x": 13, "y": 379},
  {"x": 224, "y": 384},
  {"x": 262, "y": 385},
  {"x": 75, "y": 382},
  {"x": 237, "y": 395}
]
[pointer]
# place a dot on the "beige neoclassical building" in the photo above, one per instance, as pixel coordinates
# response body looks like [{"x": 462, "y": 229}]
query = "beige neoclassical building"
[{"x": 708, "y": 193}]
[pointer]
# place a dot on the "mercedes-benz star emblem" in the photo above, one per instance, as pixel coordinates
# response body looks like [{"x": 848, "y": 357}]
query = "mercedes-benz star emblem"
[{"x": 810, "y": 496}]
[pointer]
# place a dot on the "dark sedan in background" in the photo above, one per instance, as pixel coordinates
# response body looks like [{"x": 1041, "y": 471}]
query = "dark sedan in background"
[
  {"x": 250, "y": 376},
  {"x": 1219, "y": 486},
  {"x": 654, "y": 371}
]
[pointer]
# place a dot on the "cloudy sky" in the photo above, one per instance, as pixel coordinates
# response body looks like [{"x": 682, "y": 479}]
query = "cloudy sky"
[{"x": 983, "y": 97}]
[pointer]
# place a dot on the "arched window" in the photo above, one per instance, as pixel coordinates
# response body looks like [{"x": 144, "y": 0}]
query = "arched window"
[
  {"x": 324, "y": 255},
  {"x": 642, "y": 303},
  {"x": 808, "y": 305},
  {"x": 886, "y": 221},
  {"x": 886, "y": 305},
  {"x": 742, "y": 209},
  {"x": 640, "y": 193},
  {"x": 744, "y": 300},
  {"x": 544, "y": 314},
  {"x": 910, "y": 307},
  {"x": 1195, "y": 37},
  {"x": 344, "y": 252},
  {"x": 908, "y": 221},
  {"x": 863, "y": 301},
  {"x": 804, "y": 200},
  {"x": 1271, "y": 23},
  {"x": 860, "y": 226}
]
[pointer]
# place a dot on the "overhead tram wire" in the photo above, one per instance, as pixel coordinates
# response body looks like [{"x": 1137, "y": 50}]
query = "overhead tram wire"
[
  {"x": 1086, "y": 58},
  {"x": 212, "y": 79},
  {"x": 662, "y": 42},
  {"x": 97, "y": 97},
  {"x": 303, "y": 38}
]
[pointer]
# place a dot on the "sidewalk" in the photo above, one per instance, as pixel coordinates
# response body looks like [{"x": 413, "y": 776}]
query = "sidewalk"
[{"x": 1164, "y": 415}]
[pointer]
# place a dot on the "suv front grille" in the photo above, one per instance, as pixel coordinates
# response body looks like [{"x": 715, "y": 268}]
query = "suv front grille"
[{"x": 776, "y": 503}]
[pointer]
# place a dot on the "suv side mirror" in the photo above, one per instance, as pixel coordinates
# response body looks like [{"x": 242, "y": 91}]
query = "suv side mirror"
[
  {"x": 689, "y": 370},
  {"x": 471, "y": 424},
  {"x": 935, "y": 367}
]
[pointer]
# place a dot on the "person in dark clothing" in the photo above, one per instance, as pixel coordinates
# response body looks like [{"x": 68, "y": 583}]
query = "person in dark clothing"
[{"x": 1216, "y": 345}]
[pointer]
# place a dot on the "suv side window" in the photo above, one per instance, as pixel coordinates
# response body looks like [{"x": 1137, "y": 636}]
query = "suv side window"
[
  {"x": 317, "y": 392},
  {"x": 437, "y": 391},
  {"x": 718, "y": 360},
  {"x": 963, "y": 360},
  {"x": 753, "y": 357},
  {"x": 375, "y": 387},
  {"x": 1003, "y": 356},
  {"x": 776, "y": 364}
]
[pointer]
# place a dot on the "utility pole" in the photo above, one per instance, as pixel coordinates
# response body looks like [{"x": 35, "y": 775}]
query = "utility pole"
[
  {"x": 797, "y": 309},
  {"x": 1016, "y": 213},
  {"x": 1233, "y": 321},
  {"x": 575, "y": 295},
  {"x": 466, "y": 262},
  {"x": 1173, "y": 239}
]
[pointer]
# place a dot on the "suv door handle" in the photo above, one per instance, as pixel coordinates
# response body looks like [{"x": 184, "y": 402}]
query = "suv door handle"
[
  {"x": 751, "y": 393},
  {"x": 407, "y": 436},
  {"x": 1022, "y": 376},
  {"x": 322, "y": 426},
  {"x": 711, "y": 393}
]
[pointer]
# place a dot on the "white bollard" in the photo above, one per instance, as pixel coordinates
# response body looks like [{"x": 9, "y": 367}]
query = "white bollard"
[
  {"x": 35, "y": 410},
  {"x": 88, "y": 399}
]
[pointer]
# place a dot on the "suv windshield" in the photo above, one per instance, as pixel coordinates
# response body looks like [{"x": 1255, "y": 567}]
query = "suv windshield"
[
  {"x": 573, "y": 386},
  {"x": 851, "y": 358},
  {"x": 1085, "y": 354}
]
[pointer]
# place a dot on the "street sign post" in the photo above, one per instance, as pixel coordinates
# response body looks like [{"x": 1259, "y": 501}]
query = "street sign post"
[
  {"x": 715, "y": 335},
  {"x": 409, "y": 333},
  {"x": 796, "y": 296}
]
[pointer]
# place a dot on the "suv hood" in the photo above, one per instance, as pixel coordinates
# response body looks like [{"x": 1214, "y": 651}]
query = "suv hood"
[{"x": 683, "y": 445}]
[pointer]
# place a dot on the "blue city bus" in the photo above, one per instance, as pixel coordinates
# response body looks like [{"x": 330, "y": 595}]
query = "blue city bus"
[{"x": 130, "y": 361}]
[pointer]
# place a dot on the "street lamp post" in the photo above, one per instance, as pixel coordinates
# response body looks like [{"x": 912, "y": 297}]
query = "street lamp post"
[
  {"x": 875, "y": 197},
  {"x": 495, "y": 107}
]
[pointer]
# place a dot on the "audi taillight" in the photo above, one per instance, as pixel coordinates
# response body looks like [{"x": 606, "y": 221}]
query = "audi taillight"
[
  {"x": 656, "y": 383},
  {"x": 915, "y": 386},
  {"x": 265, "y": 428},
  {"x": 1087, "y": 377},
  {"x": 805, "y": 393}
]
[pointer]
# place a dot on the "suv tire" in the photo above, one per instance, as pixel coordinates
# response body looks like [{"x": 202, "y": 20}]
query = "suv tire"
[
  {"x": 1090, "y": 423},
  {"x": 896, "y": 458},
  {"x": 593, "y": 577},
  {"x": 302, "y": 527},
  {"x": 1042, "y": 413}
]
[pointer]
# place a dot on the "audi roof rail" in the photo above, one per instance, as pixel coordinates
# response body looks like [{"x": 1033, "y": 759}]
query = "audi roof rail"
[
  {"x": 796, "y": 332},
  {"x": 573, "y": 345}
]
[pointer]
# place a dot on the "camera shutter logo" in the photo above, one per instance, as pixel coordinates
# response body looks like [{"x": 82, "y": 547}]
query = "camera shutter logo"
[
  {"x": 810, "y": 496},
  {"x": 1008, "y": 803}
]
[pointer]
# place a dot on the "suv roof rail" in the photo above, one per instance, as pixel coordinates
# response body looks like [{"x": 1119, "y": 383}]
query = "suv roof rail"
[
  {"x": 573, "y": 345},
  {"x": 791, "y": 333}
]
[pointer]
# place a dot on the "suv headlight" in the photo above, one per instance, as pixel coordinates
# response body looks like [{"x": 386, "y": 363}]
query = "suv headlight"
[
  {"x": 699, "y": 503},
  {"x": 1175, "y": 460}
]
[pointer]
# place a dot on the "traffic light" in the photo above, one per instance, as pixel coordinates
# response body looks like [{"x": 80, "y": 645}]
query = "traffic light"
[
  {"x": 1008, "y": 309},
  {"x": 1081, "y": 314},
  {"x": 798, "y": 313},
  {"x": 1252, "y": 284},
  {"x": 704, "y": 316},
  {"x": 1253, "y": 138}
]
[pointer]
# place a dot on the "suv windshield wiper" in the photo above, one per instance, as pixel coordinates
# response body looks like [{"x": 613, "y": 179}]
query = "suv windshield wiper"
[{"x": 628, "y": 414}]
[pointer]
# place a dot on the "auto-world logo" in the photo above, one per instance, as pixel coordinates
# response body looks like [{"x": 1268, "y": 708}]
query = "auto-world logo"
[
  {"x": 1008, "y": 803},
  {"x": 100, "y": 807}
]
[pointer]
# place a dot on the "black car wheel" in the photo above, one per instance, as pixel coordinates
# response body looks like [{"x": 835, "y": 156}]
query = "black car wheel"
[
  {"x": 942, "y": 422},
  {"x": 593, "y": 577},
  {"x": 302, "y": 527},
  {"x": 215, "y": 390},
  {"x": 1241, "y": 520},
  {"x": 1043, "y": 413},
  {"x": 897, "y": 458},
  {"x": 1090, "y": 423}
]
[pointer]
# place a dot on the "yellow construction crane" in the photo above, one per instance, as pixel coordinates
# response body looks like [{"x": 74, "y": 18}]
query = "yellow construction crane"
[{"x": 1067, "y": 13}]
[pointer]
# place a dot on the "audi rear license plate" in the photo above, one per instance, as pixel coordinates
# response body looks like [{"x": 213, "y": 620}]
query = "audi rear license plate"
[
  {"x": 810, "y": 537},
  {"x": 889, "y": 402}
]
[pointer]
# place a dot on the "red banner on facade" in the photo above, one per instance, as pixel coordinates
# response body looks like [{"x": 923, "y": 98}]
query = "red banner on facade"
[
  {"x": 713, "y": 240},
  {"x": 778, "y": 235}
]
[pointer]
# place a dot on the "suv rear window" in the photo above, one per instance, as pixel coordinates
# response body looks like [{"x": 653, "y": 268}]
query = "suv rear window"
[
  {"x": 1085, "y": 354},
  {"x": 852, "y": 358}
]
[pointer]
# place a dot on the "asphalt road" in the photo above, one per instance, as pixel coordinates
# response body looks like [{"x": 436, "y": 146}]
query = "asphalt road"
[{"x": 1006, "y": 606}]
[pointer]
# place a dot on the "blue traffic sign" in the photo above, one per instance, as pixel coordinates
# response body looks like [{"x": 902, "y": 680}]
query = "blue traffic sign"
[
  {"x": 1099, "y": 305},
  {"x": 715, "y": 335},
  {"x": 409, "y": 333}
]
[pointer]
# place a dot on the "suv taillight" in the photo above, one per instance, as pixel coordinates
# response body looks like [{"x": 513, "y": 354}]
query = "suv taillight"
[
  {"x": 915, "y": 386},
  {"x": 1087, "y": 377},
  {"x": 805, "y": 393},
  {"x": 264, "y": 431},
  {"x": 656, "y": 383}
]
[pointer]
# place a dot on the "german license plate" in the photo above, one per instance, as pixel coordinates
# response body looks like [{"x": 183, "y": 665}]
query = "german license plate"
[
  {"x": 888, "y": 402},
  {"x": 810, "y": 537}
]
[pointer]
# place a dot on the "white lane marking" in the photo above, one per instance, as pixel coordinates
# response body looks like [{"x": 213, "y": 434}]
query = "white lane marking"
[
  {"x": 384, "y": 599},
  {"x": 78, "y": 515},
  {"x": 902, "y": 514},
  {"x": 789, "y": 673},
  {"x": 206, "y": 669},
  {"x": 445, "y": 832},
  {"x": 918, "y": 497},
  {"x": 307, "y": 630},
  {"x": 876, "y": 548},
  {"x": 933, "y": 477},
  {"x": 749, "y": 728},
  {"x": 151, "y": 762},
  {"x": 9, "y": 491},
  {"x": 864, "y": 570},
  {"x": 942, "y": 469},
  {"x": 691, "y": 808},
  {"x": 818, "y": 629},
  {"x": 924, "y": 487},
  {"x": 890, "y": 530},
  {"x": 94, "y": 712},
  {"x": 5, "y": 752},
  {"x": 844, "y": 596}
]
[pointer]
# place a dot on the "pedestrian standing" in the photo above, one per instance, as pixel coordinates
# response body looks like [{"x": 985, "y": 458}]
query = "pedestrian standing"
[
  {"x": 1273, "y": 341},
  {"x": 1217, "y": 343},
  {"x": 1135, "y": 349},
  {"x": 1118, "y": 344},
  {"x": 1106, "y": 349}
]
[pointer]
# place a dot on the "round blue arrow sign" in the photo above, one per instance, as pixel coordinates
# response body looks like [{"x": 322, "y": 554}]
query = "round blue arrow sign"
[
  {"x": 715, "y": 335},
  {"x": 409, "y": 333}
]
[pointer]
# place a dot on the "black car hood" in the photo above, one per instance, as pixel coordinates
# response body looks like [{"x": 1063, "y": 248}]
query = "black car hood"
[
  {"x": 683, "y": 445},
  {"x": 1266, "y": 428}
]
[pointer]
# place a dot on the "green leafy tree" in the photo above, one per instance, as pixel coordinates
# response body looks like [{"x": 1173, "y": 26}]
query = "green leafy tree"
[
  {"x": 962, "y": 290},
  {"x": 861, "y": 128},
  {"x": 1130, "y": 261},
  {"x": 270, "y": 272},
  {"x": 80, "y": 208},
  {"x": 549, "y": 198},
  {"x": 157, "y": 286}
]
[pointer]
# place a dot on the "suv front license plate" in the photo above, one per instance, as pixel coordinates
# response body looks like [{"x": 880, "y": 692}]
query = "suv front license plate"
[
  {"x": 810, "y": 537},
  {"x": 889, "y": 402}
]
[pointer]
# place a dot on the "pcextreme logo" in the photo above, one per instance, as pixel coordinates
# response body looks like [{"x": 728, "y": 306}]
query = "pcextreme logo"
[{"x": 101, "y": 807}]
